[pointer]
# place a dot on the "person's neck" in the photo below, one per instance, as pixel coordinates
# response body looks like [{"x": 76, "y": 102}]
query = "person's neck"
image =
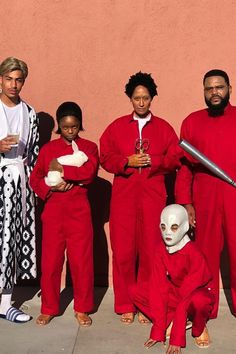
[
  {"x": 147, "y": 115},
  {"x": 8, "y": 101}
]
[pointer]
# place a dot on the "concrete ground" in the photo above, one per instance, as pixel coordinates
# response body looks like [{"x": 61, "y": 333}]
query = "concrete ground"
[{"x": 107, "y": 335}]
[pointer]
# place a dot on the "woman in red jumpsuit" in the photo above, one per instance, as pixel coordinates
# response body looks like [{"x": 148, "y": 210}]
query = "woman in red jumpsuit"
[
  {"x": 66, "y": 218},
  {"x": 139, "y": 149}
]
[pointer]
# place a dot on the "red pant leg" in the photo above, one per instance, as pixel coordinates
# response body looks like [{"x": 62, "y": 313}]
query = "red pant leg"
[
  {"x": 123, "y": 224},
  {"x": 208, "y": 202},
  {"x": 149, "y": 235},
  {"x": 79, "y": 242},
  {"x": 140, "y": 298},
  {"x": 134, "y": 231},
  {"x": 53, "y": 249},
  {"x": 229, "y": 232},
  {"x": 199, "y": 309}
]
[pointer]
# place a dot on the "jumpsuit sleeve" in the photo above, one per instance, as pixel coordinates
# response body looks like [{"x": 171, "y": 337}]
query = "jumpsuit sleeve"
[
  {"x": 33, "y": 144},
  {"x": 110, "y": 158},
  {"x": 170, "y": 159},
  {"x": 198, "y": 276},
  {"x": 37, "y": 175},
  {"x": 87, "y": 172}
]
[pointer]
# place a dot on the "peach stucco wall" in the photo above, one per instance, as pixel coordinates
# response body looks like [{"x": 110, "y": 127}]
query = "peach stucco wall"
[{"x": 86, "y": 50}]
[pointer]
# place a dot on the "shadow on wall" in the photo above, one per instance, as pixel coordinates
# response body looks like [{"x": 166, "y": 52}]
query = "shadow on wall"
[
  {"x": 99, "y": 197},
  {"x": 46, "y": 126},
  {"x": 170, "y": 185}
]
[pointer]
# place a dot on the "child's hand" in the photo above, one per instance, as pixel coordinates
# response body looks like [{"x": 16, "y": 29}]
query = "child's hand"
[
  {"x": 62, "y": 187},
  {"x": 149, "y": 343},
  {"x": 173, "y": 349}
]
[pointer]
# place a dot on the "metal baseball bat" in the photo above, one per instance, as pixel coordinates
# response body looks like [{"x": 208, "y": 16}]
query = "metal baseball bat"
[{"x": 206, "y": 162}]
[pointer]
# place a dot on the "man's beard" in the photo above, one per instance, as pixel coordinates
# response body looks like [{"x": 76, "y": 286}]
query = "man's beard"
[{"x": 216, "y": 110}]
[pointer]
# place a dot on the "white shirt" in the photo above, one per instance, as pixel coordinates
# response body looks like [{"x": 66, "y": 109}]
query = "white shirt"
[
  {"x": 13, "y": 117},
  {"x": 142, "y": 122}
]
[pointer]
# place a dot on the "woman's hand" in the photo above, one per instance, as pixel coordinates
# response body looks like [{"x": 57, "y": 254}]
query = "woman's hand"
[{"x": 139, "y": 160}]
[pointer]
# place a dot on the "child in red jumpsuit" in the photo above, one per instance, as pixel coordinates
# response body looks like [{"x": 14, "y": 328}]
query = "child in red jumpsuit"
[
  {"x": 66, "y": 218},
  {"x": 178, "y": 288}
]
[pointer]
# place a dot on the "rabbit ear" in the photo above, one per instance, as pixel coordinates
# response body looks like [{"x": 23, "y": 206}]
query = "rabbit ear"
[{"x": 75, "y": 146}]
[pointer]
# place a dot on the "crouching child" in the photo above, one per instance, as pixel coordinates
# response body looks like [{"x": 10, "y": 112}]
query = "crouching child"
[{"x": 178, "y": 287}]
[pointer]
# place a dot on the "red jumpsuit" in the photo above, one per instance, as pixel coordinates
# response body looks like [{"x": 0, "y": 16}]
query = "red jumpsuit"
[
  {"x": 137, "y": 198},
  {"x": 177, "y": 290},
  {"x": 67, "y": 225},
  {"x": 213, "y": 199}
]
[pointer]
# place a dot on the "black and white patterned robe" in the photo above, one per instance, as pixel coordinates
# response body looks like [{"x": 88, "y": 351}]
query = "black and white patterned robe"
[{"x": 17, "y": 209}]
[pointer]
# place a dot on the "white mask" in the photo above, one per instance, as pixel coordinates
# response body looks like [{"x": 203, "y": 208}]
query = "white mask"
[{"x": 174, "y": 225}]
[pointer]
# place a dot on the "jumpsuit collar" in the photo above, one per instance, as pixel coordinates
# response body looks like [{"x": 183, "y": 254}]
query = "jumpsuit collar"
[
  {"x": 131, "y": 117},
  {"x": 63, "y": 143}
]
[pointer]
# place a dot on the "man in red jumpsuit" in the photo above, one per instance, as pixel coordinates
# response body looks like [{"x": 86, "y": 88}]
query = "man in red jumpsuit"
[
  {"x": 139, "y": 149},
  {"x": 178, "y": 287},
  {"x": 210, "y": 201},
  {"x": 66, "y": 218}
]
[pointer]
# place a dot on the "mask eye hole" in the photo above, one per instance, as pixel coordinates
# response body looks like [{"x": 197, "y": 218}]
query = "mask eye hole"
[
  {"x": 163, "y": 227},
  {"x": 174, "y": 227}
]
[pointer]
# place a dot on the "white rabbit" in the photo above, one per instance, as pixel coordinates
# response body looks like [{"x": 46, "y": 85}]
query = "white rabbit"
[{"x": 77, "y": 159}]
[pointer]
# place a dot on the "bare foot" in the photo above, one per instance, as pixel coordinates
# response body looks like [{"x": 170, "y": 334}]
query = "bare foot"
[
  {"x": 83, "y": 319},
  {"x": 127, "y": 318},
  {"x": 43, "y": 320},
  {"x": 168, "y": 330},
  {"x": 203, "y": 341},
  {"x": 143, "y": 319}
]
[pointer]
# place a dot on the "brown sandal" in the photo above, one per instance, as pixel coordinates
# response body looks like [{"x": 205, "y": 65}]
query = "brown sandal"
[
  {"x": 203, "y": 341},
  {"x": 43, "y": 320},
  {"x": 83, "y": 319},
  {"x": 127, "y": 318}
]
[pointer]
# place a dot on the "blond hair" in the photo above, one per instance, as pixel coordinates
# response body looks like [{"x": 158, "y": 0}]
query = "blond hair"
[{"x": 12, "y": 64}]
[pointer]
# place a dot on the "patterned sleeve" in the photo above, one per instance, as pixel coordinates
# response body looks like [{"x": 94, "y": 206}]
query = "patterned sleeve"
[{"x": 33, "y": 144}]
